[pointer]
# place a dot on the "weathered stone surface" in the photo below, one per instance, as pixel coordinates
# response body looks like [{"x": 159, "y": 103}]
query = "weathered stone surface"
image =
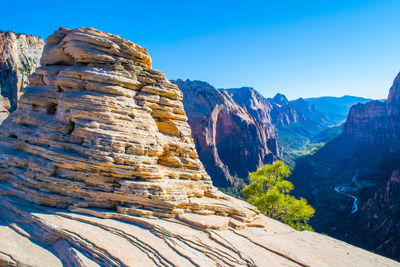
[
  {"x": 230, "y": 139},
  {"x": 98, "y": 169},
  {"x": 19, "y": 56},
  {"x": 42, "y": 236},
  {"x": 97, "y": 127}
]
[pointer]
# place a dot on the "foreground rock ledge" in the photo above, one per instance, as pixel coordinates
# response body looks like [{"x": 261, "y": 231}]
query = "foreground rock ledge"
[{"x": 98, "y": 168}]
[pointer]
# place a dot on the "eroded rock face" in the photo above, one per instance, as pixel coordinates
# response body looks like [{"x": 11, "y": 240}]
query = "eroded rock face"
[
  {"x": 283, "y": 113},
  {"x": 100, "y": 132},
  {"x": 19, "y": 56},
  {"x": 229, "y": 140},
  {"x": 377, "y": 122},
  {"x": 97, "y": 127}
]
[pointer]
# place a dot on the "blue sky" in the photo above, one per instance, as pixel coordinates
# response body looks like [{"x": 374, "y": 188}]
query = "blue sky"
[{"x": 299, "y": 48}]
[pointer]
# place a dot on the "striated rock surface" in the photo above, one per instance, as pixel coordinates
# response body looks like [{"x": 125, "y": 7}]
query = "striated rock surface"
[
  {"x": 97, "y": 127},
  {"x": 229, "y": 140},
  {"x": 377, "y": 122},
  {"x": 99, "y": 169},
  {"x": 41, "y": 236},
  {"x": 19, "y": 56}
]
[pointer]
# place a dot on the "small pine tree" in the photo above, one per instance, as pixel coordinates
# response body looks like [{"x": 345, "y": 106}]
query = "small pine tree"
[{"x": 269, "y": 192}]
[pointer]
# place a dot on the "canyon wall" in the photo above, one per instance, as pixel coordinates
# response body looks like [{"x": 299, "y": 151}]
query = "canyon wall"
[
  {"x": 377, "y": 122},
  {"x": 98, "y": 168},
  {"x": 19, "y": 56},
  {"x": 359, "y": 169},
  {"x": 231, "y": 140}
]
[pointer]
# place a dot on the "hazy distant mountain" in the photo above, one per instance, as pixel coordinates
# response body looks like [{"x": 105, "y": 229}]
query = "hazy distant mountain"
[
  {"x": 336, "y": 108},
  {"x": 283, "y": 112},
  {"x": 310, "y": 112}
]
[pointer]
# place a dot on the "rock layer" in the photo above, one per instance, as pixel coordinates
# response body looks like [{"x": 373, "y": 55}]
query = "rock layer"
[
  {"x": 97, "y": 127},
  {"x": 230, "y": 141},
  {"x": 101, "y": 133},
  {"x": 19, "y": 56},
  {"x": 377, "y": 122},
  {"x": 42, "y": 236}
]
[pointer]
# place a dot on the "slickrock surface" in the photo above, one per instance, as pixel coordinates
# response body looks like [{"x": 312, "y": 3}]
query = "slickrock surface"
[
  {"x": 41, "y": 236},
  {"x": 99, "y": 169},
  {"x": 19, "y": 56},
  {"x": 229, "y": 140}
]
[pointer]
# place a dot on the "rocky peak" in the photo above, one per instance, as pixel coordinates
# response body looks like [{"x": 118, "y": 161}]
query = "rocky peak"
[
  {"x": 257, "y": 105},
  {"x": 303, "y": 104},
  {"x": 229, "y": 140},
  {"x": 377, "y": 122},
  {"x": 393, "y": 100},
  {"x": 280, "y": 99},
  {"x": 19, "y": 56},
  {"x": 310, "y": 111},
  {"x": 97, "y": 127},
  {"x": 283, "y": 113},
  {"x": 99, "y": 169}
]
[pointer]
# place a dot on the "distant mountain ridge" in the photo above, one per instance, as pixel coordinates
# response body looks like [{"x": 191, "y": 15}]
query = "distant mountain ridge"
[
  {"x": 237, "y": 130},
  {"x": 336, "y": 108}
]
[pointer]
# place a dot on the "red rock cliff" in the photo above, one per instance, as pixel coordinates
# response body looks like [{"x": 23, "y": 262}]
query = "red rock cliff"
[
  {"x": 229, "y": 140},
  {"x": 377, "y": 122}
]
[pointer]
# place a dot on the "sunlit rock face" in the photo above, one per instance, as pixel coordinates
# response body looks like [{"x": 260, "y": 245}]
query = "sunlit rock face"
[
  {"x": 98, "y": 169},
  {"x": 231, "y": 139},
  {"x": 19, "y": 56},
  {"x": 377, "y": 122},
  {"x": 98, "y": 127}
]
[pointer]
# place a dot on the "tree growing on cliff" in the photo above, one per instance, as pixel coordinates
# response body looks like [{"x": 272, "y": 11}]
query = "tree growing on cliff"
[{"x": 269, "y": 192}]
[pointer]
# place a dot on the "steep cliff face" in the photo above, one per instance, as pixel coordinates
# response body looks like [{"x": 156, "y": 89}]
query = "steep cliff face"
[
  {"x": 99, "y": 169},
  {"x": 255, "y": 104},
  {"x": 381, "y": 211},
  {"x": 310, "y": 112},
  {"x": 377, "y": 122},
  {"x": 283, "y": 113},
  {"x": 230, "y": 141},
  {"x": 353, "y": 180},
  {"x": 19, "y": 56}
]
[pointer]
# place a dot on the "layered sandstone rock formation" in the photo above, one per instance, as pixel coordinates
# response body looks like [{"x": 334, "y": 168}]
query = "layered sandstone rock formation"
[
  {"x": 377, "y": 122},
  {"x": 97, "y": 127},
  {"x": 99, "y": 169},
  {"x": 230, "y": 141},
  {"x": 19, "y": 56}
]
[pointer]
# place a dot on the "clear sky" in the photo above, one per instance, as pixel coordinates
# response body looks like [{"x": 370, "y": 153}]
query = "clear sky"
[{"x": 299, "y": 48}]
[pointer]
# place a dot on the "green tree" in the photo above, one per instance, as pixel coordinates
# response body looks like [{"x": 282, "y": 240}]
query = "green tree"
[{"x": 269, "y": 192}]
